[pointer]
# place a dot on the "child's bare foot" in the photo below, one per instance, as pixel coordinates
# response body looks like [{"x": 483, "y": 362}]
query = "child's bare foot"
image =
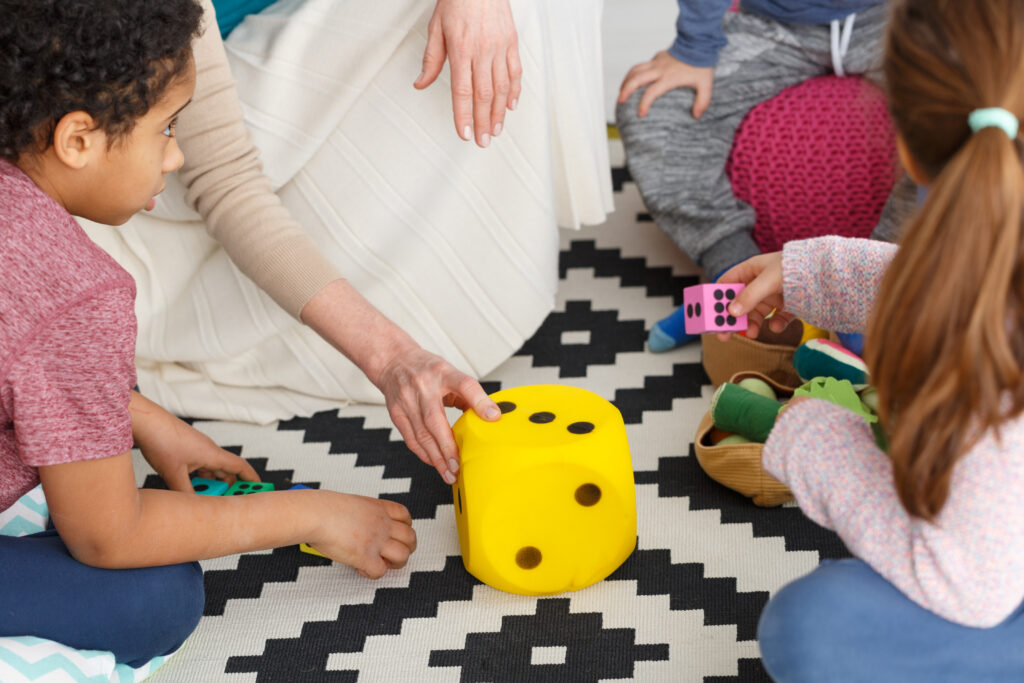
[{"x": 369, "y": 534}]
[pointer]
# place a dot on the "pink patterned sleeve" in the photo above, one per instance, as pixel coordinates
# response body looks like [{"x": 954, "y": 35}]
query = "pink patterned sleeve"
[
  {"x": 69, "y": 387},
  {"x": 967, "y": 566},
  {"x": 831, "y": 281}
]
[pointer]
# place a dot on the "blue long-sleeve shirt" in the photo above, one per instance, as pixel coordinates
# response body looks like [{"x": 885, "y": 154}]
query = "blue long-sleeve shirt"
[{"x": 699, "y": 34}]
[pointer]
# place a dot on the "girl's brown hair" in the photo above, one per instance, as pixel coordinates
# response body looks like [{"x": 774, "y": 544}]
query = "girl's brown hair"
[{"x": 946, "y": 338}]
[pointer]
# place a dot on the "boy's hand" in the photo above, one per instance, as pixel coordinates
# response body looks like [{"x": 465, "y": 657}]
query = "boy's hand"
[
  {"x": 174, "y": 448},
  {"x": 664, "y": 73},
  {"x": 762, "y": 276},
  {"x": 191, "y": 451},
  {"x": 369, "y": 534}
]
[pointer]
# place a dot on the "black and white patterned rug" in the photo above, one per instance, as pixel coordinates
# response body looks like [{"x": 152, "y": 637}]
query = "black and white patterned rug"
[{"x": 683, "y": 607}]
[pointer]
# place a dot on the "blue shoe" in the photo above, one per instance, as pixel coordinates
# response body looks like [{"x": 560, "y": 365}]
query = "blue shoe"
[{"x": 669, "y": 333}]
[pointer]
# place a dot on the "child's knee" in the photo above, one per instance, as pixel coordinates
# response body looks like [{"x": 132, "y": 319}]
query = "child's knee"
[
  {"x": 669, "y": 111},
  {"x": 184, "y": 598},
  {"x": 164, "y": 610},
  {"x": 800, "y": 632}
]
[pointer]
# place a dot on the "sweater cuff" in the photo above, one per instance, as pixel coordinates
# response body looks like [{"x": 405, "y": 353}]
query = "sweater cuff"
[
  {"x": 303, "y": 267},
  {"x": 798, "y": 277},
  {"x": 694, "y": 56}
]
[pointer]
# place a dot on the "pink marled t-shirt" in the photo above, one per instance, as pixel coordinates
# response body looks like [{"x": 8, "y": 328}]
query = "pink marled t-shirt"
[
  {"x": 967, "y": 566},
  {"x": 67, "y": 340}
]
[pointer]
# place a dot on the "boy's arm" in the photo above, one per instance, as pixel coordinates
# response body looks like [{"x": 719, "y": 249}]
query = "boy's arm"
[
  {"x": 105, "y": 521},
  {"x": 688, "y": 63},
  {"x": 699, "y": 34}
]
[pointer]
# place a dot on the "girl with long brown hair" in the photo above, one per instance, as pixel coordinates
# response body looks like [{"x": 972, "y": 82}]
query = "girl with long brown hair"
[{"x": 936, "y": 522}]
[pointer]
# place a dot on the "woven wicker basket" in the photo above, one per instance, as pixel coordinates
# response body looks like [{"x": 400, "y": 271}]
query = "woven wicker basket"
[{"x": 738, "y": 466}]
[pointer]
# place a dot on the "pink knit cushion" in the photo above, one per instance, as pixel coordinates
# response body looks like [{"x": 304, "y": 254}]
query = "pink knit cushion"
[{"x": 817, "y": 159}]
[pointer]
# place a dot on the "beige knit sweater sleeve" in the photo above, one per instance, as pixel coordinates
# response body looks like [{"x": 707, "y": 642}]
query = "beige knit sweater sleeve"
[{"x": 226, "y": 185}]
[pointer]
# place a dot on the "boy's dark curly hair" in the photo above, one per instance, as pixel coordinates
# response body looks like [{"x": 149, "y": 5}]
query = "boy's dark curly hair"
[{"x": 110, "y": 58}]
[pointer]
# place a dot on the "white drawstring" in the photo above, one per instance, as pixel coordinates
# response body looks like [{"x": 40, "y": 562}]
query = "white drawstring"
[{"x": 841, "y": 43}]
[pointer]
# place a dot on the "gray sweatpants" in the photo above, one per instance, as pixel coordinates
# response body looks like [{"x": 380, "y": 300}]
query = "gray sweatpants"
[{"x": 678, "y": 162}]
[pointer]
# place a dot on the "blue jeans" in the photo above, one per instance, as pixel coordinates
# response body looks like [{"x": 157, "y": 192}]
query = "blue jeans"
[
  {"x": 137, "y": 614},
  {"x": 844, "y": 622}
]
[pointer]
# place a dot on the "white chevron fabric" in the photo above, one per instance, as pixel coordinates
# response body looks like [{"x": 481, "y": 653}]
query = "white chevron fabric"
[
  {"x": 27, "y": 659},
  {"x": 458, "y": 245},
  {"x": 28, "y": 515}
]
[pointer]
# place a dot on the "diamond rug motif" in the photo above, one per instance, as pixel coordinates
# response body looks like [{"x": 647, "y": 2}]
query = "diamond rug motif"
[{"x": 683, "y": 607}]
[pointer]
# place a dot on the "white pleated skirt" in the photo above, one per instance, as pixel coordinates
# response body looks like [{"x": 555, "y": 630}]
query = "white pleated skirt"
[{"x": 458, "y": 245}]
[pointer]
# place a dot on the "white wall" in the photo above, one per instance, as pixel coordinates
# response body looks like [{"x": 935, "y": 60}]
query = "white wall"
[{"x": 633, "y": 30}]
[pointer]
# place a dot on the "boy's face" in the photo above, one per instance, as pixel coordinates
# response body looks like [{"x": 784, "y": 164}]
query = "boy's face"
[{"x": 127, "y": 175}]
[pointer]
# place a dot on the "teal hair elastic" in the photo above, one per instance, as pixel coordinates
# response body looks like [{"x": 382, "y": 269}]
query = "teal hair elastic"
[{"x": 994, "y": 117}]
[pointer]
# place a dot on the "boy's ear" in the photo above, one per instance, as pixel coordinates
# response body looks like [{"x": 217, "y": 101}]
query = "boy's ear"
[{"x": 76, "y": 138}]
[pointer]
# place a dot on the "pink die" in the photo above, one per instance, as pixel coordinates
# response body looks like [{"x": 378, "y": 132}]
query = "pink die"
[{"x": 706, "y": 308}]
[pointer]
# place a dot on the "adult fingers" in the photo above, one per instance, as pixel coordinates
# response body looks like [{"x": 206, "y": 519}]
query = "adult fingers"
[
  {"x": 420, "y": 441},
  {"x": 515, "y": 75},
  {"x": 405, "y": 428},
  {"x": 462, "y": 94},
  {"x": 437, "y": 434},
  {"x": 483, "y": 100},
  {"x": 502, "y": 86},
  {"x": 433, "y": 56},
  {"x": 468, "y": 391}
]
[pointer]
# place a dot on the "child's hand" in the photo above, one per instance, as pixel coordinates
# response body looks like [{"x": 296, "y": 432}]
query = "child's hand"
[
  {"x": 664, "y": 73},
  {"x": 191, "y": 451},
  {"x": 174, "y": 448},
  {"x": 369, "y": 534},
  {"x": 762, "y": 276}
]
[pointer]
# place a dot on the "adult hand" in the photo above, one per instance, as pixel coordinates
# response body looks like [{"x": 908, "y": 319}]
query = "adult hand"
[
  {"x": 664, "y": 73},
  {"x": 478, "y": 37},
  {"x": 417, "y": 385},
  {"x": 762, "y": 276}
]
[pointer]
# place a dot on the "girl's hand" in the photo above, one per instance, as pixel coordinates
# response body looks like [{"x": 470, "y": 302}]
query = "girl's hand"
[
  {"x": 762, "y": 276},
  {"x": 664, "y": 73},
  {"x": 417, "y": 385},
  {"x": 479, "y": 39},
  {"x": 368, "y": 534}
]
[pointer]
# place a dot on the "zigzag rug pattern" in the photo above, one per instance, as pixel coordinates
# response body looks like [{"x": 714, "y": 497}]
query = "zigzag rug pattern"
[{"x": 683, "y": 607}]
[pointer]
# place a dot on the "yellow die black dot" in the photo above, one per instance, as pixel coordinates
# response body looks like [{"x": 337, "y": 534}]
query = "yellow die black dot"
[
  {"x": 581, "y": 427},
  {"x": 588, "y": 495},
  {"x": 542, "y": 417},
  {"x": 528, "y": 557}
]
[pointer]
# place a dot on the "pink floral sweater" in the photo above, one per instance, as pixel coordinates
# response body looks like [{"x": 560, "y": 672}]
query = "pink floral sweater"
[{"x": 967, "y": 566}]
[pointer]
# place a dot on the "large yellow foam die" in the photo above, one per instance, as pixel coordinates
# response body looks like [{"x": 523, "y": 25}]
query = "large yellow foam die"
[{"x": 545, "y": 501}]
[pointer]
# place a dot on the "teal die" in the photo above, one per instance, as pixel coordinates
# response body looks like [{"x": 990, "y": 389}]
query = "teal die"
[{"x": 209, "y": 487}]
